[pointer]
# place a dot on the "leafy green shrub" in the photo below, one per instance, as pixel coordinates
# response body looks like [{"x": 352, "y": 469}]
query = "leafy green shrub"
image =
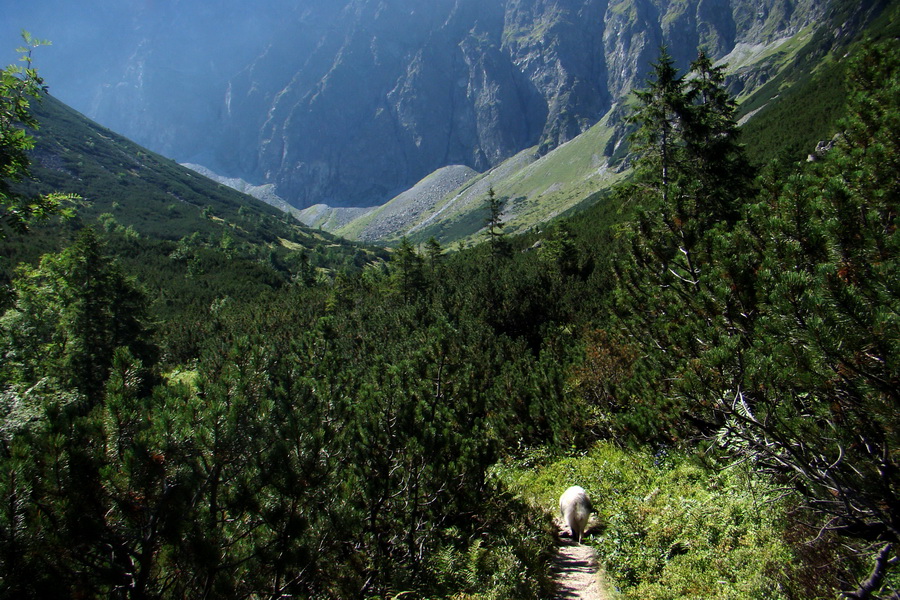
[{"x": 668, "y": 527}]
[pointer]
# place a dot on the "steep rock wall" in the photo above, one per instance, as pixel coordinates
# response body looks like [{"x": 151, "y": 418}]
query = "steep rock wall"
[
  {"x": 410, "y": 88},
  {"x": 352, "y": 101}
]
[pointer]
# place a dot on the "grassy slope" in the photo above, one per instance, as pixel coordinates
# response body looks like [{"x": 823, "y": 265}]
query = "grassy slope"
[
  {"x": 797, "y": 106},
  {"x": 153, "y": 195},
  {"x": 76, "y": 155},
  {"x": 535, "y": 190},
  {"x": 330, "y": 218},
  {"x": 403, "y": 210}
]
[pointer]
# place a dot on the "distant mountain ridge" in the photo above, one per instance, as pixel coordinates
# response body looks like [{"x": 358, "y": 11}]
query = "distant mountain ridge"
[
  {"x": 351, "y": 102},
  {"x": 265, "y": 192},
  {"x": 791, "y": 92}
]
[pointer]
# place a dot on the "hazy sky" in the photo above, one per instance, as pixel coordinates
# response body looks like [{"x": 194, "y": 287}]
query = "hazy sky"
[
  {"x": 92, "y": 40},
  {"x": 69, "y": 25}
]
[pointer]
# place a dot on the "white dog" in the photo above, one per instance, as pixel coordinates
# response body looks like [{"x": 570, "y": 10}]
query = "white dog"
[{"x": 576, "y": 509}]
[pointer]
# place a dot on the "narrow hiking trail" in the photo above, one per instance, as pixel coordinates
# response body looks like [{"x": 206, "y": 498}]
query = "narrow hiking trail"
[{"x": 576, "y": 570}]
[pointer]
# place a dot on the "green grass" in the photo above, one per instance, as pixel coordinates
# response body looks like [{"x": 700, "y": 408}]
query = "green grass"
[
  {"x": 535, "y": 193},
  {"x": 539, "y": 30},
  {"x": 621, "y": 7},
  {"x": 668, "y": 528}
]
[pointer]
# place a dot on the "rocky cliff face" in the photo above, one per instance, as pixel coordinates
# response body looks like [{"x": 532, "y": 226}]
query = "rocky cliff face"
[
  {"x": 388, "y": 94},
  {"x": 349, "y": 102},
  {"x": 397, "y": 89}
]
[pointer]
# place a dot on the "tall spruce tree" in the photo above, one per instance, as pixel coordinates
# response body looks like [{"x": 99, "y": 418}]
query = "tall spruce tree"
[
  {"x": 669, "y": 296},
  {"x": 498, "y": 244},
  {"x": 660, "y": 120},
  {"x": 721, "y": 175},
  {"x": 435, "y": 255},
  {"x": 409, "y": 274}
]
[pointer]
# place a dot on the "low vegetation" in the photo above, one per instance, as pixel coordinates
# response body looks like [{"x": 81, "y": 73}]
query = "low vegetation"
[{"x": 669, "y": 526}]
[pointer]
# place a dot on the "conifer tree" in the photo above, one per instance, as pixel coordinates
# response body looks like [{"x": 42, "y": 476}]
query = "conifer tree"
[
  {"x": 559, "y": 248},
  {"x": 498, "y": 245},
  {"x": 70, "y": 315},
  {"x": 410, "y": 277},
  {"x": 721, "y": 175},
  {"x": 435, "y": 254},
  {"x": 660, "y": 121},
  {"x": 672, "y": 295}
]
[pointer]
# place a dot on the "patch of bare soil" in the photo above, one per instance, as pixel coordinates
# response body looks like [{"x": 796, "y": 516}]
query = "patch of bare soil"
[{"x": 576, "y": 571}]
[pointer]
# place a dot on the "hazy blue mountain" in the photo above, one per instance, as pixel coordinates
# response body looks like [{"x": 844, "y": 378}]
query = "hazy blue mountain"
[{"x": 350, "y": 102}]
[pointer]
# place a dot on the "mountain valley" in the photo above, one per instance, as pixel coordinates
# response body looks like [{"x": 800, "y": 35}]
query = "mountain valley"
[
  {"x": 536, "y": 258},
  {"x": 350, "y": 104}
]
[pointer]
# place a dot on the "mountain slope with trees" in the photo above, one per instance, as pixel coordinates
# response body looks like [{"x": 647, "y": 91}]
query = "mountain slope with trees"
[
  {"x": 351, "y": 435},
  {"x": 152, "y": 207}
]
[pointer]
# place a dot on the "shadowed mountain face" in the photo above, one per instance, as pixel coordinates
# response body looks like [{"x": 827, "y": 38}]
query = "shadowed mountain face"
[{"x": 348, "y": 102}]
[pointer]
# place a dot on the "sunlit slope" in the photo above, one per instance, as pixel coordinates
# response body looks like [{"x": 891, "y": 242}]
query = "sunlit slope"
[
  {"x": 790, "y": 98},
  {"x": 409, "y": 207},
  {"x": 535, "y": 190}
]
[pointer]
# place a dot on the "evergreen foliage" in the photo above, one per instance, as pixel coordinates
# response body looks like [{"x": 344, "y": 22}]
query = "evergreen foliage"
[
  {"x": 410, "y": 275},
  {"x": 818, "y": 406},
  {"x": 494, "y": 226},
  {"x": 293, "y": 464},
  {"x": 70, "y": 316},
  {"x": 769, "y": 332},
  {"x": 318, "y": 420}
]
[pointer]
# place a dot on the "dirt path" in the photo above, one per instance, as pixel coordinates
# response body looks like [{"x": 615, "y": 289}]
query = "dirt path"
[{"x": 577, "y": 572}]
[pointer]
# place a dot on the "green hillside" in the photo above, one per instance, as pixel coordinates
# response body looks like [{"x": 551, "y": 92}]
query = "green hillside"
[
  {"x": 151, "y": 194},
  {"x": 228, "y": 405},
  {"x": 190, "y": 241},
  {"x": 535, "y": 189},
  {"x": 128, "y": 190},
  {"x": 800, "y": 107}
]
